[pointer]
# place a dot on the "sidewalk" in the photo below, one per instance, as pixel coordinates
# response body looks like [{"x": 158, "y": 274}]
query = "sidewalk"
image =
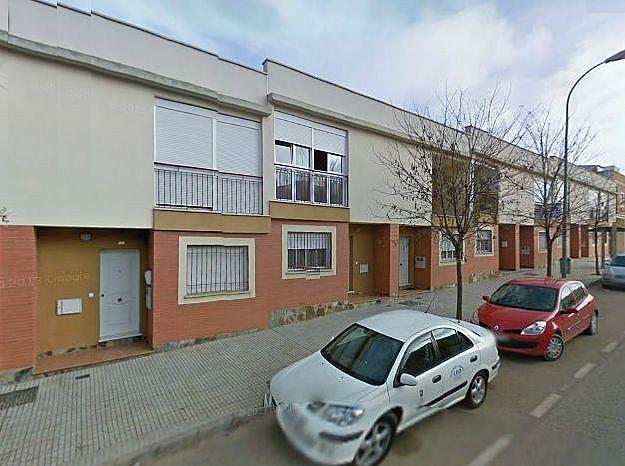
[{"x": 99, "y": 413}]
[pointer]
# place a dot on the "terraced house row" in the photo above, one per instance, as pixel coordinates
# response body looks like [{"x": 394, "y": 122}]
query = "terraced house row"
[{"x": 156, "y": 190}]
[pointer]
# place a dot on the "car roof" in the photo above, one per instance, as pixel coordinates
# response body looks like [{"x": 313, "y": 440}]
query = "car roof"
[
  {"x": 545, "y": 282},
  {"x": 403, "y": 323}
]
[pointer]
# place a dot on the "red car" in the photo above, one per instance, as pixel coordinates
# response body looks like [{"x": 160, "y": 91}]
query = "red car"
[{"x": 536, "y": 316}]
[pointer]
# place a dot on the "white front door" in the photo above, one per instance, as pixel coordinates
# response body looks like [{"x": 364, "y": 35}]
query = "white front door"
[
  {"x": 404, "y": 244},
  {"x": 119, "y": 294}
]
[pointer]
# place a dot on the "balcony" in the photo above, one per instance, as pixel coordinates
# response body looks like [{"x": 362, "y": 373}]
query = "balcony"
[
  {"x": 311, "y": 187},
  {"x": 599, "y": 215},
  {"x": 548, "y": 211},
  {"x": 177, "y": 187}
]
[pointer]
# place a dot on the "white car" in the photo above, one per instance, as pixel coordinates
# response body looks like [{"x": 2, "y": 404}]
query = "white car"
[{"x": 345, "y": 403}]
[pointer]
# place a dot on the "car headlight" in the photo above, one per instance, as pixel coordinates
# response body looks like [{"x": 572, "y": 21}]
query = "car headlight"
[
  {"x": 475, "y": 319},
  {"x": 537, "y": 328},
  {"x": 337, "y": 414}
]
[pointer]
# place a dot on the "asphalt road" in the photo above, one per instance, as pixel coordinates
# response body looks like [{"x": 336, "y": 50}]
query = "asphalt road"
[{"x": 570, "y": 412}]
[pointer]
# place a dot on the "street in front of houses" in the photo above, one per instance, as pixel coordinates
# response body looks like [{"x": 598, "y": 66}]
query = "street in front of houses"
[{"x": 100, "y": 413}]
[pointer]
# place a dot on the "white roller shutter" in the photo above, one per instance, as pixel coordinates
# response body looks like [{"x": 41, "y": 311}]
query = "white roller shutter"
[
  {"x": 329, "y": 142},
  {"x": 183, "y": 138},
  {"x": 238, "y": 146},
  {"x": 296, "y": 133}
]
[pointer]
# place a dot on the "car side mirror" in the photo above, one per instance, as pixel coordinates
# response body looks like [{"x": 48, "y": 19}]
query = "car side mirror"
[
  {"x": 486, "y": 298},
  {"x": 407, "y": 379},
  {"x": 570, "y": 310}
]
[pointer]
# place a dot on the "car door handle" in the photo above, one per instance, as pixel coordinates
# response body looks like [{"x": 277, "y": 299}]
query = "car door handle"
[
  {"x": 436, "y": 378},
  {"x": 473, "y": 358}
]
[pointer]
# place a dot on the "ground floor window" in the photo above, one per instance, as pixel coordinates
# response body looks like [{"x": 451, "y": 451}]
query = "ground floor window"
[
  {"x": 542, "y": 241},
  {"x": 308, "y": 251},
  {"x": 484, "y": 242},
  {"x": 447, "y": 249},
  {"x": 212, "y": 269},
  {"x": 216, "y": 269}
]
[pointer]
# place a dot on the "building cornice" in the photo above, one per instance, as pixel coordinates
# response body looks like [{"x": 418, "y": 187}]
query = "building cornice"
[{"x": 132, "y": 73}]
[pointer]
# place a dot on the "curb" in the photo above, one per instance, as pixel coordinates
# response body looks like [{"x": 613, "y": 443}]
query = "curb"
[{"x": 188, "y": 436}]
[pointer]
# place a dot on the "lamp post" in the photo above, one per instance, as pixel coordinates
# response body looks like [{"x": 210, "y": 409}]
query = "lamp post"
[{"x": 564, "y": 262}]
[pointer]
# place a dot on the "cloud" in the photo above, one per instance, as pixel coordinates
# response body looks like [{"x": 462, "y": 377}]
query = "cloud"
[{"x": 402, "y": 53}]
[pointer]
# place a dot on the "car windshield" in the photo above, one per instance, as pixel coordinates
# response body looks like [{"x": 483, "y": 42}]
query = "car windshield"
[
  {"x": 618, "y": 261},
  {"x": 533, "y": 298},
  {"x": 363, "y": 353}
]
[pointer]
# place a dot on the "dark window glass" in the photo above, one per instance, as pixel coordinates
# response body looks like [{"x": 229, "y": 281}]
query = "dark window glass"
[
  {"x": 618, "y": 261},
  {"x": 284, "y": 184},
  {"x": 321, "y": 189},
  {"x": 302, "y": 186},
  {"x": 363, "y": 353},
  {"x": 568, "y": 298},
  {"x": 421, "y": 356},
  {"x": 533, "y": 298},
  {"x": 321, "y": 160},
  {"x": 336, "y": 191},
  {"x": 578, "y": 293},
  {"x": 465, "y": 341},
  {"x": 283, "y": 152},
  {"x": 448, "y": 342}
]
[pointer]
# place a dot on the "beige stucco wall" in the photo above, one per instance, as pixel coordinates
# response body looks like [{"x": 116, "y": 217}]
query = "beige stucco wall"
[
  {"x": 110, "y": 40},
  {"x": 79, "y": 146}
]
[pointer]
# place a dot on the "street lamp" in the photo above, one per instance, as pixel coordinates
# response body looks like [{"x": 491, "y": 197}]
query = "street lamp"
[{"x": 564, "y": 265}]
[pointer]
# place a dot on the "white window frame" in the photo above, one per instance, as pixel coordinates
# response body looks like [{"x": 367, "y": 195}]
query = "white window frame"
[
  {"x": 546, "y": 240},
  {"x": 185, "y": 241},
  {"x": 448, "y": 261},
  {"x": 306, "y": 274},
  {"x": 492, "y": 243}
]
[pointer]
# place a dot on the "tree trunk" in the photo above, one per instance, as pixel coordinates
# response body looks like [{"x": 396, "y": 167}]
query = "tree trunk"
[
  {"x": 596, "y": 237},
  {"x": 549, "y": 256},
  {"x": 459, "y": 286}
]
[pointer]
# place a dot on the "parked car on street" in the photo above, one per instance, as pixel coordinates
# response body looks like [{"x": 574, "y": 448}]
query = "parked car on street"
[
  {"x": 536, "y": 316},
  {"x": 345, "y": 403},
  {"x": 613, "y": 275}
]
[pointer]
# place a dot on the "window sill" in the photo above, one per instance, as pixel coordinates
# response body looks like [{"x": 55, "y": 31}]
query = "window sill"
[
  {"x": 308, "y": 274},
  {"x": 212, "y": 297},
  {"x": 486, "y": 254},
  {"x": 450, "y": 262}
]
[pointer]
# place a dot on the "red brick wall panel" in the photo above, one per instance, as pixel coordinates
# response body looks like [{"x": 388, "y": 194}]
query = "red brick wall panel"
[
  {"x": 18, "y": 296},
  {"x": 173, "y": 322}
]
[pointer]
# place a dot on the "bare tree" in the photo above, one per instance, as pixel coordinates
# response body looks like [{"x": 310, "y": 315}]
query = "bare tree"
[
  {"x": 546, "y": 140},
  {"x": 599, "y": 216},
  {"x": 447, "y": 174}
]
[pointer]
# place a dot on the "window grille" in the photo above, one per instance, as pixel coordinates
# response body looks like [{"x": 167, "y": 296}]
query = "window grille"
[
  {"x": 309, "y": 251},
  {"x": 217, "y": 269}
]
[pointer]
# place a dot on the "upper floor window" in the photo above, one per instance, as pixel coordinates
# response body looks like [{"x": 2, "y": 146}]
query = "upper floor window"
[
  {"x": 311, "y": 161},
  {"x": 206, "y": 160}
]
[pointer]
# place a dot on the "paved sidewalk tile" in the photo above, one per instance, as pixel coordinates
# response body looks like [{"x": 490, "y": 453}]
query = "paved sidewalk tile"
[{"x": 78, "y": 419}]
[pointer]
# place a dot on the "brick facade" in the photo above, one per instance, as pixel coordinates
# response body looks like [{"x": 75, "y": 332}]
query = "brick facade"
[
  {"x": 172, "y": 322},
  {"x": 18, "y": 296}
]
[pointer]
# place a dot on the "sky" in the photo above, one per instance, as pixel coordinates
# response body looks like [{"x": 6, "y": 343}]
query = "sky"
[{"x": 407, "y": 52}]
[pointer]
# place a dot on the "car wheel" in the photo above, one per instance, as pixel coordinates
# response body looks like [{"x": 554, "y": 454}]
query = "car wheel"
[
  {"x": 555, "y": 348},
  {"x": 477, "y": 391},
  {"x": 593, "y": 325},
  {"x": 377, "y": 442}
]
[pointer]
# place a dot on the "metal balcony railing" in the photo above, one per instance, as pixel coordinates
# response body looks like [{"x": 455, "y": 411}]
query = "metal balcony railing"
[
  {"x": 179, "y": 187},
  {"x": 548, "y": 211},
  {"x": 314, "y": 187}
]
